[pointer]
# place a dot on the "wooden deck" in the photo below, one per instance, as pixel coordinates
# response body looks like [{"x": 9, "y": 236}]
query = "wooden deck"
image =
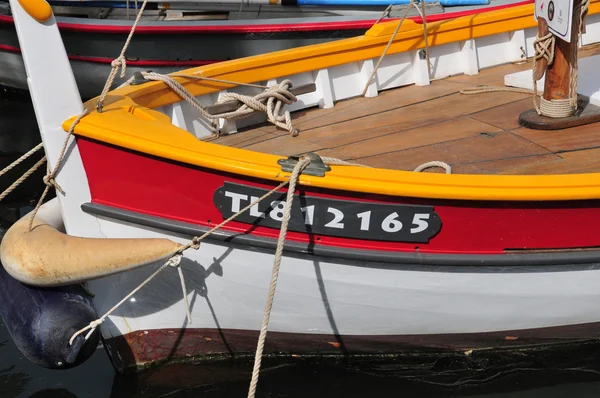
[{"x": 405, "y": 127}]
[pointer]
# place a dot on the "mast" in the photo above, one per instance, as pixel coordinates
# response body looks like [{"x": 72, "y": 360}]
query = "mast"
[{"x": 556, "y": 56}]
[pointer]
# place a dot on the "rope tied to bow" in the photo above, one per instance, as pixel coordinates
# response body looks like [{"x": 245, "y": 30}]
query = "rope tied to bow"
[
  {"x": 120, "y": 61},
  {"x": 270, "y": 102},
  {"x": 50, "y": 177}
]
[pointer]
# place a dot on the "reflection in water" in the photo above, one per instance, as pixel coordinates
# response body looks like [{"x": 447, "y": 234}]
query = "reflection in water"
[
  {"x": 12, "y": 384},
  {"x": 53, "y": 393},
  {"x": 304, "y": 378}
]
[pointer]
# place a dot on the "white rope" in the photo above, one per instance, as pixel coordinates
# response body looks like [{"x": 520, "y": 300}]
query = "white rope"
[
  {"x": 21, "y": 159},
  {"x": 491, "y": 89},
  {"x": 269, "y": 102},
  {"x": 434, "y": 163},
  {"x": 584, "y": 7},
  {"x": 212, "y": 79},
  {"x": 20, "y": 180},
  {"x": 198, "y": 77},
  {"x": 556, "y": 108},
  {"x": 25, "y": 175},
  {"x": 94, "y": 324},
  {"x": 275, "y": 274},
  {"x": 340, "y": 162},
  {"x": 120, "y": 61},
  {"x": 389, "y": 44},
  {"x": 50, "y": 177},
  {"x": 174, "y": 261},
  {"x": 544, "y": 47},
  {"x": 385, "y": 14}
]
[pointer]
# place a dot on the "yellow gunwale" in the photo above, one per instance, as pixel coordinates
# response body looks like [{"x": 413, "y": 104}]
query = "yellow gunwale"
[{"x": 128, "y": 120}]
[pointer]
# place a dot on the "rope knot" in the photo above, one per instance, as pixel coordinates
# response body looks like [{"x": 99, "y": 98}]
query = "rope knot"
[
  {"x": 92, "y": 326},
  {"x": 120, "y": 62},
  {"x": 174, "y": 261},
  {"x": 51, "y": 182},
  {"x": 195, "y": 243},
  {"x": 96, "y": 323},
  {"x": 544, "y": 48},
  {"x": 280, "y": 95}
]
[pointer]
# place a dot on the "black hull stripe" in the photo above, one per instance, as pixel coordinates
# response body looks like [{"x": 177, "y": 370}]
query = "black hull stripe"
[{"x": 503, "y": 263}]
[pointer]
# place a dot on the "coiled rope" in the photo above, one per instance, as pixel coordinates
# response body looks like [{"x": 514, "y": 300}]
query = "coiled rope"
[{"x": 270, "y": 102}]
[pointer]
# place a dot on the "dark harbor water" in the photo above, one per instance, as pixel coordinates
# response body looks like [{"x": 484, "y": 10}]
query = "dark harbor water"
[{"x": 568, "y": 371}]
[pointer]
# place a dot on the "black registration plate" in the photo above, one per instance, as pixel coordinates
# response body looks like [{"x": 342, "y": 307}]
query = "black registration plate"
[{"x": 331, "y": 217}]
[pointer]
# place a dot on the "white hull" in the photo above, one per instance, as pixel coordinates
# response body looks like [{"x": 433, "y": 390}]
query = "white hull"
[{"x": 322, "y": 296}]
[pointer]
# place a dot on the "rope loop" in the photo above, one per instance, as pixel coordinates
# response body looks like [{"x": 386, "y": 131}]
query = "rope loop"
[
  {"x": 120, "y": 62},
  {"x": 269, "y": 102},
  {"x": 91, "y": 327},
  {"x": 544, "y": 48},
  {"x": 174, "y": 261},
  {"x": 50, "y": 182},
  {"x": 434, "y": 163},
  {"x": 195, "y": 243}
]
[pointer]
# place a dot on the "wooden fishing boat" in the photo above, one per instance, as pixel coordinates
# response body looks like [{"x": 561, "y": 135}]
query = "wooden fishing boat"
[
  {"x": 166, "y": 39},
  {"x": 378, "y": 256}
]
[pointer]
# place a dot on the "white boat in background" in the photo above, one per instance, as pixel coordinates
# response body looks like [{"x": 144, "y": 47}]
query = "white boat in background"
[{"x": 499, "y": 252}]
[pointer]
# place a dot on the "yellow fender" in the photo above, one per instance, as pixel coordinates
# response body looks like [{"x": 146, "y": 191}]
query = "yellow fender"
[{"x": 46, "y": 256}]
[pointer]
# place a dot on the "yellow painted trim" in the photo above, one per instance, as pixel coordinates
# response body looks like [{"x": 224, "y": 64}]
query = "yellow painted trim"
[
  {"x": 126, "y": 121},
  {"x": 39, "y": 10}
]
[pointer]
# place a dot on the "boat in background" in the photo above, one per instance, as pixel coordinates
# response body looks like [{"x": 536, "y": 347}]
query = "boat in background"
[{"x": 185, "y": 34}]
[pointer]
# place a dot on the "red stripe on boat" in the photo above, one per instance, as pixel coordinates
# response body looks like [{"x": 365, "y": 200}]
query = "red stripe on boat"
[
  {"x": 141, "y": 62},
  {"x": 12, "y": 49},
  {"x": 174, "y": 191},
  {"x": 259, "y": 28}
]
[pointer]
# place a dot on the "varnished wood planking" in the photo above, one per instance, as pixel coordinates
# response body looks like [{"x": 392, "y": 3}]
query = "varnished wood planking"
[
  {"x": 292, "y": 147},
  {"x": 480, "y": 148},
  {"x": 493, "y": 76},
  {"x": 244, "y": 138},
  {"x": 436, "y": 133},
  {"x": 582, "y": 137},
  {"x": 421, "y": 114},
  {"x": 586, "y": 161},
  {"x": 531, "y": 164},
  {"x": 504, "y": 116}
]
